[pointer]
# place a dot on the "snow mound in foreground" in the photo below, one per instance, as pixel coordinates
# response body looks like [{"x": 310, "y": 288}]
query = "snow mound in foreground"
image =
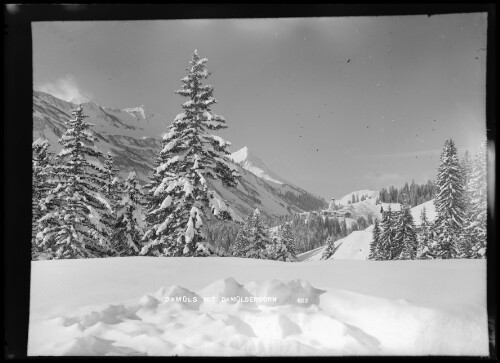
[{"x": 269, "y": 317}]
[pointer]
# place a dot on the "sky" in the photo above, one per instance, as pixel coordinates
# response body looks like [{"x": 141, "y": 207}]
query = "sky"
[{"x": 332, "y": 104}]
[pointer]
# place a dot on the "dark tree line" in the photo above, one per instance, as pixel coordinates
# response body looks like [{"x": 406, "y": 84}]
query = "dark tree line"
[
  {"x": 414, "y": 194},
  {"x": 303, "y": 201}
]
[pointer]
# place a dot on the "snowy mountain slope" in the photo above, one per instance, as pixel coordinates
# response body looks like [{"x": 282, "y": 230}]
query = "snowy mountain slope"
[
  {"x": 133, "y": 137},
  {"x": 125, "y": 135},
  {"x": 134, "y": 122},
  {"x": 141, "y": 306},
  {"x": 366, "y": 207},
  {"x": 251, "y": 193},
  {"x": 430, "y": 211},
  {"x": 363, "y": 209},
  {"x": 356, "y": 246},
  {"x": 360, "y": 209},
  {"x": 253, "y": 164},
  {"x": 344, "y": 201},
  {"x": 270, "y": 198}
]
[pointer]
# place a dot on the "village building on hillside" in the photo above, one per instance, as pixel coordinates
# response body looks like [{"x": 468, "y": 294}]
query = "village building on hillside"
[
  {"x": 337, "y": 213},
  {"x": 331, "y": 205}
]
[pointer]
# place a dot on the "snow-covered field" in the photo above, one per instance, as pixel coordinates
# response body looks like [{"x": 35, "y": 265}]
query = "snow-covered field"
[
  {"x": 126, "y": 306},
  {"x": 344, "y": 200},
  {"x": 355, "y": 246}
]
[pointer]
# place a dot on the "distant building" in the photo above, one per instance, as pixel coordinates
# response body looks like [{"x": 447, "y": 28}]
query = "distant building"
[
  {"x": 331, "y": 205},
  {"x": 339, "y": 213},
  {"x": 331, "y": 212}
]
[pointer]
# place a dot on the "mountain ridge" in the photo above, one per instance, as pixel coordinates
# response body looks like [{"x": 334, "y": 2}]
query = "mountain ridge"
[
  {"x": 134, "y": 142},
  {"x": 255, "y": 165}
]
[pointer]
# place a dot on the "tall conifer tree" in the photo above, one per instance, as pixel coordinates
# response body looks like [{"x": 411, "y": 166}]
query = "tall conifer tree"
[
  {"x": 424, "y": 237},
  {"x": 258, "y": 239},
  {"x": 375, "y": 244},
  {"x": 449, "y": 202},
  {"x": 405, "y": 233},
  {"x": 285, "y": 249},
  {"x": 387, "y": 248},
  {"x": 41, "y": 166},
  {"x": 475, "y": 225},
  {"x": 242, "y": 239},
  {"x": 77, "y": 227},
  {"x": 180, "y": 198},
  {"x": 129, "y": 227}
]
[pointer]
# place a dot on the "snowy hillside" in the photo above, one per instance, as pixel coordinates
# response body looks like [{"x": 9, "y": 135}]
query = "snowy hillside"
[
  {"x": 344, "y": 201},
  {"x": 253, "y": 164},
  {"x": 430, "y": 211},
  {"x": 356, "y": 246},
  {"x": 366, "y": 207},
  {"x": 253, "y": 192},
  {"x": 125, "y": 133},
  {"x": 148, "y": 306},
  {"x": 133, "y": 137}
]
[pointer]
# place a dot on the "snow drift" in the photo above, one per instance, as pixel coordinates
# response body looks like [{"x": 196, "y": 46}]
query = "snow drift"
[{"x": 151, "y": 307}]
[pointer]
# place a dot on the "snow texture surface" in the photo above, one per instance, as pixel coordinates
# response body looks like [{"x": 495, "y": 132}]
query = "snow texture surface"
[{"x": 151, "y": 306}]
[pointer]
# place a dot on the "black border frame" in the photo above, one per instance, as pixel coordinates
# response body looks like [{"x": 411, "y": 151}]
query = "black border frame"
[{"x": 18, "y": 88}]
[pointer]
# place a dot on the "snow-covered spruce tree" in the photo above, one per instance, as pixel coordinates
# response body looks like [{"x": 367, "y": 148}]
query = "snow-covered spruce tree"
[
  {"x": 466, "y": 167},
  {"x": 464, "y": 241},
  {"x": 288, "y": 239},
  {"x": 285, "y": 248},
  {"x": 112, "y": 189},
  {"x": 475, "y": 225},
  {"x": 152, "y": 199},
  {"x": 77, "y": 227},
  {"x": 375, "y": 244},
  {"x": 180, "y": 199},
  {"x": 258, "y": 238},
  {"x": 405, "y": 233},
  {"x": 383, "y": 248},
  {"x": 129, "y": 227},
  {"x": 41, "y": 164},
  {"x": 424, "y": 237},
  {"x": 449, "y": 203},
  {"x": 388, "y": 250},
  {"x": 343, "y": 228},
  {"x": 242, "y": 239},
  {"x": 111, "y": 174},
  {"x": 330, "y": 248}
]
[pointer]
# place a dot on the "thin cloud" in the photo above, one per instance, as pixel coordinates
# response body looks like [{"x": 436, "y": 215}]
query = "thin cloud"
[{"x": 67, "y": 89}]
